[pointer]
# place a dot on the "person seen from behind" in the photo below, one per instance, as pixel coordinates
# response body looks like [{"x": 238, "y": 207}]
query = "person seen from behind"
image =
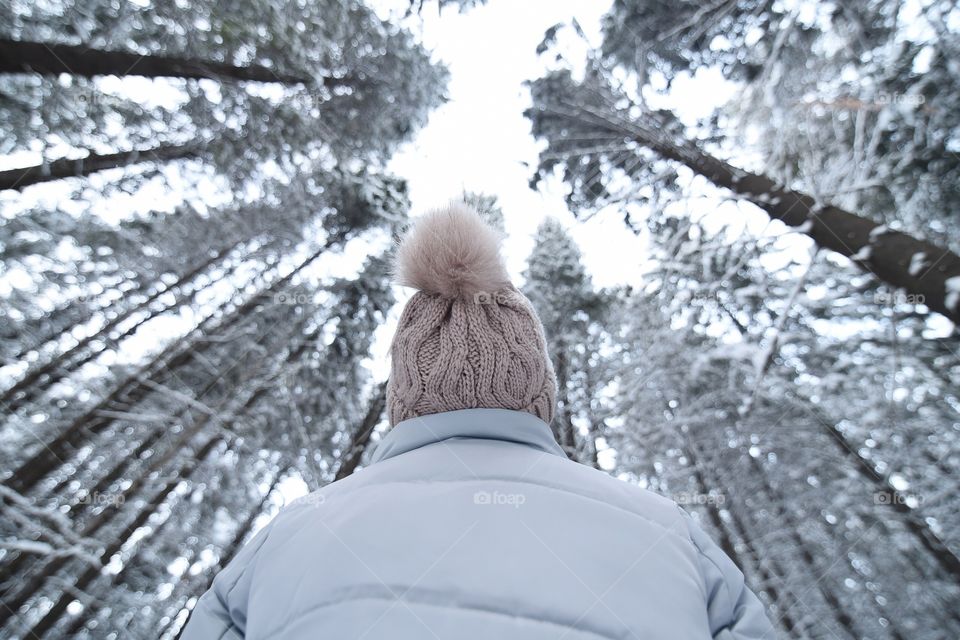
[{"x": 469, "y": 522}]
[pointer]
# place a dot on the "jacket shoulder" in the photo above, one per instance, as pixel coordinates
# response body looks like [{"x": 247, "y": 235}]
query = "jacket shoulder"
[{"x": 622, "y": 494}]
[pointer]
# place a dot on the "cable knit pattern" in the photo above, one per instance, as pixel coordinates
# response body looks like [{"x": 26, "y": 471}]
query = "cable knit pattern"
[{"x": 457, "y": 351}]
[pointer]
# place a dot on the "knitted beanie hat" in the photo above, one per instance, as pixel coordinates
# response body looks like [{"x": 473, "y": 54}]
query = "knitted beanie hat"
[{"x": 468, "y": 338}]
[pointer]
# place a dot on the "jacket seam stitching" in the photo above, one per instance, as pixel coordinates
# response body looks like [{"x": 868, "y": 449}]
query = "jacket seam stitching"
[
  {"x": 723, "y": 576},
  {"x": 494, "y": 612},
  {"x": 225, "y": 600},
  {"x": 380, "y": 483}
]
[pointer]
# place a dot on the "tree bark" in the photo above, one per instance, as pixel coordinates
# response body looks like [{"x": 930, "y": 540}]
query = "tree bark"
[
  {"x": 919, "y": 267},
  {"x": 90, "y": 574},
  {"x": 564, "y": 429},
  {"x": 60, "y": 324},
  {"x": 154, "y": 465},
  {"x": 17, "y": 56},
  {"x": 887, "y": 495},
  {"x": 776, "y": 501},
  {"x": 134, "y": 388},
  {"x": 59, "y": 607},
  {"x": 92, "y": 163},
  {"x": 91, "y": 527},
  {"x": 226, "y": 554},
  {"x": 726, "y": 543},
  {"x": 361, "y": 438},
  {"x": 126, "y": 394},
  {"x": 62, "y": 364}
]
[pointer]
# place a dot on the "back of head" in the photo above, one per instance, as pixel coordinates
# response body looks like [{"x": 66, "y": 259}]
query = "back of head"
[{"x": 468, "y": 338}]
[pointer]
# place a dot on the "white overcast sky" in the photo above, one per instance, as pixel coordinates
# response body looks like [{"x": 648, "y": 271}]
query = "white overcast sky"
[{"x": 480, "y": 141}]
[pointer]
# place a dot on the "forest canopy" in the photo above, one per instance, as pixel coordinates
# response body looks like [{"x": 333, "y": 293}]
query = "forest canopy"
[{"x": 199, "y": 206}]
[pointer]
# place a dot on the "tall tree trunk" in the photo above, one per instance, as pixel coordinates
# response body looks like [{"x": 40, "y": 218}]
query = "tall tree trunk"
[
  {"x": 241, "y": 532},
  {"x": 135, "y": 387},
  {"x": 194, "y": 462},
  {"x": 777, "y": 502},
  {"x": 126, "y": 394},
  {"x": 17, "y": 56},
  {"x": 62, "y": 364},
  {"x": 887, "y": 494},
  {"x": 30, "y": 585},
  {"x": 59, "y": 607},
  {"x": 140, "y": 483},
  {"x": 361, "y": 437},
  {"x": 132, "y": 390},
  {"x": 595, "y": 428},
  {"x": 726, "y": 542},
  {"x": 197, "y": 584},
  {"x": 155, "y": 465},
  {"x": 944, "y": 556},
  {"x": 563, "y": 429},
  {"x": 60, "y": 319},
  {"x": 919, "y": 267},
  {"x": 92, "y": 163},
  {"x": 147, "y": 447}
]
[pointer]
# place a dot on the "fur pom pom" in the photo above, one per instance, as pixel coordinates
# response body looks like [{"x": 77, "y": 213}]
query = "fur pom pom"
[{"x": 453, "y": 253}]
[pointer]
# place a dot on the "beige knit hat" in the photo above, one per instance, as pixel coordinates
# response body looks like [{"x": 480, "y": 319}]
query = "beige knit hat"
[{"x": 468, "y": 338}]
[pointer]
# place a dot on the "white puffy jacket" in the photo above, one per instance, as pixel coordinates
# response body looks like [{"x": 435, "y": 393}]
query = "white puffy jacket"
[{"x": 473, "y": 524}]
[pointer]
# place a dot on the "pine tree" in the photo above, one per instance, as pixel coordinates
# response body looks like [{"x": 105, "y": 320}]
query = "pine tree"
[
  {"x": 850, "y": 103},
  {"x": 488, "y": 207},
  {"x": 165, "y": 369},
  {"x": 49, "y": 59},
  {"x": 572, "y": 312},
  {"x": 584, "y": 122},
  {"x": 688, "y": 346}
]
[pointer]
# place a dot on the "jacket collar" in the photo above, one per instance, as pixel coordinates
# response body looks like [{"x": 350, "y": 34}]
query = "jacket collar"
[{"x": 488, "y": 424}]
